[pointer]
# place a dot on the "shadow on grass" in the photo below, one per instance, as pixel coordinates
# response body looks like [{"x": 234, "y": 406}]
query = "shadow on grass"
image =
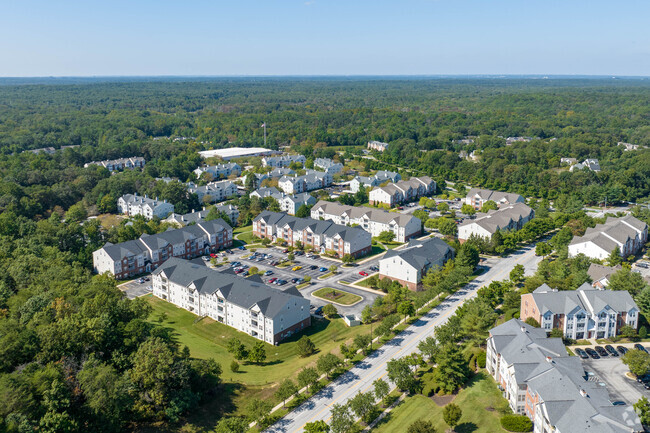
[{"x": 466, "y": 427}]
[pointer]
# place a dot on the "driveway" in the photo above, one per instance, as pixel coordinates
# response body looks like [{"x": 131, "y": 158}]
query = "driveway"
[
  {"x": 612, "y": 371},
  {"x": 133, "y": 289}
]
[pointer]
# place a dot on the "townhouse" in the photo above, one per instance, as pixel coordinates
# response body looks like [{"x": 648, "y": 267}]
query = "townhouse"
[
  {"x": 408, "y": 265},
  {"x": 308, "y": 182},
  {"x": 214, "y": 191},
  {"x": 477, "y": 197},
  {"x": 119, "y": 164},
  {"x": 374, "y": 221},
  {"x": 375, "y": 180},
  {"x": 145, "y": 254},
  {"x": 589, "y": 163},
  {"x": 402, "y": 191},
  {"x": 232, "y": 212},
  {"x": 220, "y": 170},
  {"x": 323, "y": 236},
  {"x": 584, "y": 313},
  {"x": 283, "y": 161},
  {"x": 541, "y": 381},
  {"x": 246, "y": 304},
  {"x": 289, "y": 203},
  {"x": 484, "y": 225},
  {"x": 134, "y": 204},
  {"x": 328, "y": 165},
  {"x": 627, "y": 233},
  {"x": 377, "y": 145}
]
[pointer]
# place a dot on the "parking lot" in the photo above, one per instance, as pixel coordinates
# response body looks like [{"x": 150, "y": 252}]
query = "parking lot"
[
  {"x": 135, "y": 289},
  {"x": 611, "y": 371}
]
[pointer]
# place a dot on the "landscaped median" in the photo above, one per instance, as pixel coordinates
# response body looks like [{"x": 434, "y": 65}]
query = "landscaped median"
[{"x": 337, "y": 296}]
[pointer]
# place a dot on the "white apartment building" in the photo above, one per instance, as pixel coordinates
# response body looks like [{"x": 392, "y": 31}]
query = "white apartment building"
[
  {"x": 246, "y": 304},
  {"x": 283, "y": 161},
  {"x": 232, "y": 212},
  {"x": 134, "y": 204},
  {"x": 219, "y": 170},
  {"x": 374, "y": 221},
  {"x": 377, "y": 145},
  {"x": 311, "y": 181},
  {"x": 402, "y": 191},
  {"x": 216, "y": 191},
  {"x": 120, "y": 163},
  {"x": 477, "y": 197},
  {"x": 372, "y": 181},
  {"x": 627, "y": 233},
  {"x": 328, "y": 165},
  {"x": 484, "y": 225}
]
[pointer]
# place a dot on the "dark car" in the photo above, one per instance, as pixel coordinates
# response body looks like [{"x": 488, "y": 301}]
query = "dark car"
[
  {"x": 618, "y": 403},
  {"x": 582, "y": 354},
  {"x": 591, "y": 352},
  {"x": 318, "y": 310},
  {"x": 298, "y": 253},
  {"x": 294, "y": 280},
  {"x": 643, "y": 379},
  {"x": 242, "y": 247},
  {"x": 601, "y": 351},
  {"x": 611, "y": 350},
  {"x": 312, "y": 267},
  {"x": 622, "y": 349},
  {"x": 229, "y": 251},
  {"x": 639, "y": 347},
  {"x": 281, "y": 282}
]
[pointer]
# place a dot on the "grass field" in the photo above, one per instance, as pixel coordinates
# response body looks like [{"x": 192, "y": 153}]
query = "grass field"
[
  {"x": 339, "y": 296},
  {"x": 481, "y": 403}
]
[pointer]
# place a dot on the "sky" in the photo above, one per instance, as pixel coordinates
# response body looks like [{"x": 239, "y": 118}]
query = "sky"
[{"x": 324, "y": 37}]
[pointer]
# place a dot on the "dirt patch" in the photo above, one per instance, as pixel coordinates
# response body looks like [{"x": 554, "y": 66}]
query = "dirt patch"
[
  {"x": 333, "y": 295},
  {"x": 443, "y": 400}
]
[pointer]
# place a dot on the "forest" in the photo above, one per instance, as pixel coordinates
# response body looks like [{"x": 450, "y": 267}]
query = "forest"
[{"x": 76, "y": 356}]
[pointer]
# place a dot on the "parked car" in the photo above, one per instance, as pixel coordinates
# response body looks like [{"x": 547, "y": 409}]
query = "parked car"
[
  {"x": 592, "y": 353},
  {"x": 643, "y": 378},
  {"x": 296, "y": 268},
  {"x": 205, "y": 258},
  {"x": 140, "y": 280},
  {"x": 639, "y": 347},
  {"x": 294, "y": 280},
  {"x": 363, "y": 273},
  {"x": 323, "y": 269},
  {"x": 582, "y": 354},
  {"x": 611, "y": 350},
  {"x": 312, "y": 267},
  {"x": 267, "y": 273},
  {"x": 229, "y": 251},
  {"x": 281, "y": 282},
  {"x": 601, "y": 351},
  {"x": 622, "y": 349},
  {"x": 213, "y": 255},
  {"x": 272, "y": 280},
  {"x": 298, "y": 253},
  {"x": 618, "y": 403},
  {"x": 318, "y": 310},
  {"x": 242, "y": 247},
  {"x": 285, "y": 251},
  {"x": 374, "y": 268},
  {"x": 315, "y": 256}
]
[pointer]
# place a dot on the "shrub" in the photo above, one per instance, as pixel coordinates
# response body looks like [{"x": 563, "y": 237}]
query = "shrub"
[
  {"x": 481, "y": 359},
  {"x": 516, "y": 423},
  {"x": 234, "y": 366},
  {"x": 643, "y": 332}
]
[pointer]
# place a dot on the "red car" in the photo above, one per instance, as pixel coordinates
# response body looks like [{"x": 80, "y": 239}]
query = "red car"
[
  {"x": 363, "y": 273},
  {"x": 213, "y": 255},
  {"x": 272, "y": 280},
  {"x": 285, "y": 250}
]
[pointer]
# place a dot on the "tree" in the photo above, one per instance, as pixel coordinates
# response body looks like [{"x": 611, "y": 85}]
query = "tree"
[
  {"x": 286, "y": 389},
  {"x": 234, "y": 366},
  {"x": 642, "y": 408},
  {"x": 330, "y": 310},
  {"x": 341, "y": 420},
  {"x": 625, "y": 279},
  {"x": 362, "y": 404},
  {"x": 319, "y": 426},
  {"x": 257, "y": 353},
  {"x": 638, "y": 361},
  {"x": 303, "y": 211},
  {"x": 443, "y": 207},
  {"x": 452, "y": 414},
  {"x": 327, "y": 363},
  {"x": 333, "y": 268},
  {"x": 429, "y": 347},
  {"x": 399, "y": 372},
  {"x": 361, "y": 341},
  {"x": 468, "y": 209},
  {"x": 237, "y": 349},
  {"x": 421, "y": 426},
  {"x": 307, "y": 377},
  {"x": 231, "y": 424},
  {"x": 488, "y": 206},
  {"x": 556, "y": 333},
  {"x": 477, "y": 318},
  {"x": 447, "y": 227},
  {"x": 258, "y": 409},
  {"x": 347, "y": 258},
  {"x": 366, "y": 314},
  {"x": 406, "y": 308},
  {"x": 467, "y": 256},
  {"x": 76, "y": 213},
  {"x": 517, "y": 273},
  {"x": 614, "y": 257},
  {"x": 643, "y": 301},
  {"x": 291, "y": 256},
  {"x": 452, "y": 371},
  {"x": 305, "y": 346},
  {"x": 543, "y": 249},
  {"x": 381, "y": 389},
  {"x": 386, "y": 236},
  {"x": 532, "y": 322},
  {"x": 251, "y": 182}
]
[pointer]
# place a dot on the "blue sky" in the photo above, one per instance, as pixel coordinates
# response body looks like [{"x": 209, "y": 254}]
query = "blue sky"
[{"x": 324, "y": 37}]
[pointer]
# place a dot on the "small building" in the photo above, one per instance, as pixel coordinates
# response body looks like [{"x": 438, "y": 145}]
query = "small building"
[
  {"x": 232, "y": 212},
  {"x": 134, "y": 204},
  {"x": 375, "y": 180},
  {"x": 309, "y": 182},
  {"x": 377, "y": 145},
  {"x": 408, "y": 265},
  {"x": 589, "y": 163},
  {"x": 351, "y": 320}
]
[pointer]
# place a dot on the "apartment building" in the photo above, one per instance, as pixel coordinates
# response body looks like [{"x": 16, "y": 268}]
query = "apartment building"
[
  {"x": 232, "y": 212},
  {"x": 328, "y": 165},
  {"x": 220, "y": 170},
  {"x": 403, "y": 191},
  {"x": 484, "y": 225},
  {"x": 246, "y": 304},
  {"x": 541, "y": 381},
  {"x": 587, "y": 312},
  {"x": 311, "y": 181},
  {"x": 134, "y": 204},
  {"x": 589, "y": 163},
  {"x": 215, "y": 191},
  {"x": 627, "y": 233},
  {"x": 373, "y": 181},
  {"x": 119, "y": 164},
  {"x": 323, "y": 236},
  {"x": 145, "y": 254},
  {"x": 374, "y": 221},
  {"x": 600, "y": 274},
  {"x": 477, "y": 197},
  {"x": 377, "y": 145},
  {"x": 408, "y": 265},
  {"x": 283, "y": 161}
]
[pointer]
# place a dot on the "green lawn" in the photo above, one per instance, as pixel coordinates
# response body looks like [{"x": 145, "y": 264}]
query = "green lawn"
[
  {"x": 340, "y": 296},
  {"x": 481, "y": 403}
]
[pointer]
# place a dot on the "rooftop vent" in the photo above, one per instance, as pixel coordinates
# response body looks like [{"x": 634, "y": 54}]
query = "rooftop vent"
[
  {"x": 549, "y": 359},
  {"x": 583, "y": 393},
  {"x": 523, "y": 329}
]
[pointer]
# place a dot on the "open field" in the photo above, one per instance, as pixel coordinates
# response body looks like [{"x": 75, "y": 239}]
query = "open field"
[
  {"x": 337, "y": 295},
  {"x": 480, "y": 402}
]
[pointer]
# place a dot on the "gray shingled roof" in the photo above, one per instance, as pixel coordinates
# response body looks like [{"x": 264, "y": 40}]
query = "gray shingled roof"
[
  {"x": 501, "y": 218},
  {"x": 378, "y": 215},
  {"x": 585, "y": 297},
  {"x": 327, "y": 228},
  {"x": 496, "y": 196},
  {"x": 615, "y": 229},
  {"x": 420, "y": 254},
  {"x": 239, "y": 291},
  {"x": 597, "y": 272}
]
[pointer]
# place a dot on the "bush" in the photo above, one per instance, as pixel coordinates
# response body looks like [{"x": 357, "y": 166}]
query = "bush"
[
  {"x": 234, "y": 366},
  {"x": 481, "y": 359},
  {"x": 516, "y": 423},
  {"x": 429, "y": 384},
  {"x": 643, "y": 332}
]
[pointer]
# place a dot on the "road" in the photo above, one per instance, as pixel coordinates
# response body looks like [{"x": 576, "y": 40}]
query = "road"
[{"x": 361, "y": 377}]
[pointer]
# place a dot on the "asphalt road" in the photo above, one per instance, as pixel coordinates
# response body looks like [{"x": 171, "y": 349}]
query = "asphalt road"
[{"x": 361, "y": 377}]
